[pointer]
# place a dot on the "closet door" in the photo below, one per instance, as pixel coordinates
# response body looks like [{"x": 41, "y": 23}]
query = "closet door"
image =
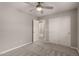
[{"x": 60, "y": 30}]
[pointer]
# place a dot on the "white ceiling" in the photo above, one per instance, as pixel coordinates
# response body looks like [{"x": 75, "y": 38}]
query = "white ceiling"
[{"x": 58, "y": 7}]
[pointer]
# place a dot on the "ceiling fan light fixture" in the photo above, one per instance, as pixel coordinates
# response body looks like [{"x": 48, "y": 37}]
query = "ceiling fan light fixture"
[{"x": 39, "y": 8}]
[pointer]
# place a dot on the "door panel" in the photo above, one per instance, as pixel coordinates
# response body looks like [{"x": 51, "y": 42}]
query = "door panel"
[{"x": 35, "y": 30}]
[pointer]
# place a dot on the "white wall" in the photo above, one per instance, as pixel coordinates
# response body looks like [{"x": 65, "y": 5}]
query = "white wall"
[
  {"x": 15, "y": 28},
  {"x": 62, "y": 28}
]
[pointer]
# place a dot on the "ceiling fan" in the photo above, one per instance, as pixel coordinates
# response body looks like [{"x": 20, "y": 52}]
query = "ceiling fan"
[{"x": 39, "y": 7}]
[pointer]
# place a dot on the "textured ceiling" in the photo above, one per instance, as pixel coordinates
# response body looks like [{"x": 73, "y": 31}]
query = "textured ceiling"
[{"x": 27, "y": 7}]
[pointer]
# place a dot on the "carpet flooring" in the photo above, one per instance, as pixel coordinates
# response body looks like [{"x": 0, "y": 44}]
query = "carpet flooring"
[{"x": 42, "y": 48}]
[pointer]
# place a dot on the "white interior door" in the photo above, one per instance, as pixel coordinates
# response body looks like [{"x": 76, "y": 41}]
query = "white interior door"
[
  {"x": 42, "y": 30},
  {"x": 38, "y": 30},
  {"x": 35, "y": 30}
]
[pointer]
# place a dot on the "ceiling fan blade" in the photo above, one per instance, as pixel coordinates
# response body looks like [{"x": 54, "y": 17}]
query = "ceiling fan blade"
[
  {"x": 47, "y": 7},
  {"x": 32, "y": 10},
  {"x": 30, "y": 4}
]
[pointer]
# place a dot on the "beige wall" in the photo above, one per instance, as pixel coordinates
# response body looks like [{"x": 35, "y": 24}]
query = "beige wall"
[
  {"x": 78, "y": 26},
  {"x": 15, "y": 28},
  {"x": 74, "y": 28},
  {"x": 62, "y": 28}
]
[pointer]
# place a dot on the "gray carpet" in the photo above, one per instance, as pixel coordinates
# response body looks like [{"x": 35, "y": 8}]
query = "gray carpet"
[{"x": 41, "y": 48}]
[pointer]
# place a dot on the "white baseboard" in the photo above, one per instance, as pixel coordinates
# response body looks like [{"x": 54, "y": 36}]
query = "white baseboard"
[{"x": 3, "y": 52}]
